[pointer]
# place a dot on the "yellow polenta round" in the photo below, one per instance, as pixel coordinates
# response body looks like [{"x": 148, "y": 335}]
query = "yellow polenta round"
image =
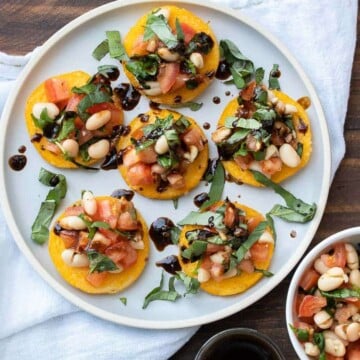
[
  {"x": 114, "y": 282},
  {"x": 211, "y": 60},
  {"x": 246, "y": 176},
  {"x": 193, "y": 173},
  {"x": 236, "y": 284}
]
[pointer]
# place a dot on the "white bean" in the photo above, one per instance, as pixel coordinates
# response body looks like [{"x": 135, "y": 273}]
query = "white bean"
[
  {"x": 74, "y": 259},
  {"x": 203, "y": 275},
  {"x": 197, "y": 59},
  {"x": 332, "y": 279},
  {"x": 323, "y": 319},
  {"x": 320, "y": 266},
  {"x": 217, "y": 258},
  {"x": 71, "y": 147},
  {"x": 352, "y": 258},
  {"x": 99, "y": 149},
  {"x": 52, "y": 110},
  {"x": 220, "y": 134},
  {"x": 311, "y": 349},
  {"x": 333, "y": 344},
  {"x": 279, "y": 107},
  {"x": 192, "y": 154},
  {"x": 97, "y": 120},
  {"x": 72, "y": 222},
  {"x": 354, "y": 278},
  {"x": 89, "y": 203},
  {"x": 99, "y": 238},
  {"x": 289, "y": 156},
  {"x": 290, "y": 109},
  {"x": 161, "y": 145},
  {"x": 353, "y": 332},
  {"x": 152, "y": 88},
  {"x": 167, "y": 55},
  {"x": 271, "y": 151},
  {"x": 137, "y": 245},
  {"x": 230, "y": 273}
]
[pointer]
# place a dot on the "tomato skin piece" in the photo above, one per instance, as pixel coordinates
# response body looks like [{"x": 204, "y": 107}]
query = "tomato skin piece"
[
  {"x": 188, "y": 31},
  {"x": 253, "y": 223},
  {"x": 338, "y": 258},
  {"x": 140, "y": 174},
  {"x": 259, "y": 251},
  {"x": 127, "y": 222},
  {"x": 73, "y": 102},
  {"x": 56, "y": 90},
  {"x": 167, "y": 76},
  {"x": 353, "y": 351},
  {"x": 309, "y": 279},
  {"x": 310, "y": 305}
]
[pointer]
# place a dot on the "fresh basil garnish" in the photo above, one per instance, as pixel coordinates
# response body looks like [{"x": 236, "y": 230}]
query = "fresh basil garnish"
[
  {"x": 40, "y": 227},
  {"x": 85, "y": 89},
  {"x": 179, "y": 31},
  {"x": 195, "y": 250},
  {"x": 159, "y": 293},
  {"x": 274, "y": 77},
  {"x": 144, "y": 68},
  {"x": 101, "y": 50},
  {"x": 265, "y": 273},
  {"x": 100, "y": 262},
  {"x": 123, "y": 300},
  {"x": 67, "y": 127},
  {"x": 342, "y": 293},
  {"x": 302, "y": 334},
  {"x": 43, "y": 121},
  {"x": 116, "y": 49},
  {"x": 259, "y": 75},
  {"x": 320, "y": 342},
  {"x": 270, "y": 221},
  {"x": 192, "y": 285},
  {"x": 234, "y": 122},
  {"x": 193, "y": 106},
  {"x": 206, "y": 218},
  {"x": 96, "y": 97}
]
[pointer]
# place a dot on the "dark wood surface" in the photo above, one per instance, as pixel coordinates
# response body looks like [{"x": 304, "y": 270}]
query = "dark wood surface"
[{"x": 27, "y": 24}]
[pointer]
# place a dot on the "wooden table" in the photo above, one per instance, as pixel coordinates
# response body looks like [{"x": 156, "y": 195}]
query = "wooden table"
[{"x": 26, "y": 24}]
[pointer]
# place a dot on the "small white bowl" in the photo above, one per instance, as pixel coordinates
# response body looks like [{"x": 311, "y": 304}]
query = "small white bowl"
[{"x": 351, "y": 235}]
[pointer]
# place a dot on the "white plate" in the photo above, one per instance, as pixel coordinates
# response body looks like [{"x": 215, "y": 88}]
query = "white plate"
[{"x": 21, "y": 193}]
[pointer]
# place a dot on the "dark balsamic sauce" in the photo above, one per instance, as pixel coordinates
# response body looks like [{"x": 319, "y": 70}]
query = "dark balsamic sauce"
[
  {"x": 170, "y": 264},
  {"x": 112, "y": 160},
  {"x": 22, "y": 149},
  {"x": 201, "y": 198},
  {"x": 36, "y": 137},
  {"x": 17, "y": 162},
  {"x": 153, "y": 105},
  {"x": 206, "y": 125},
  {"x": 128, "y": 96},
  {"x": 160, "y": 232},
  {"x": 223, "y": 70},
  {"x": 119, "y": 193},
  {"x": 54, "y": 180},
  {"x": 216, "y": 100},
  {"x": 227, "y": 93},
  {"x": 210, "y": 170},
  {"x": 144, "y": 118}
]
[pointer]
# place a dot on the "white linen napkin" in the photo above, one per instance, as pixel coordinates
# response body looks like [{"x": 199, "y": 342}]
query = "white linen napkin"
[{"x": 37, "y": 323}]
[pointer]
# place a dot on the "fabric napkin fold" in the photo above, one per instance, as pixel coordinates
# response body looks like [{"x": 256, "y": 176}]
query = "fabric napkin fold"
[{"x": 37, "y": 323}]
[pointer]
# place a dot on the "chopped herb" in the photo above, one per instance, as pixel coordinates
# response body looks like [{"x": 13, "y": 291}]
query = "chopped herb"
[
  {"x": 179, "y": 31},
  {"x": 302, "y": 334},
  {"x": 181, "y": 124},
  {"x": 175, "y": 234},
  {"x": 123, "y": 300},
  {"x": 159, "y": 294},
  {"x": 306, "y": 212},
  {"x": 217, "y": 186},
  {"x": 167, "y": 161},
  {"x": 100, "y": 262},
  {"x": 201, "y": 42},
  {"x": 101, "y": 50},
  {"x": 144, "y": 68},
  {"x": 96, "y": 97},
  {"x": 40, "y": 227},
  {"x": 195, "y": 250},
  {"x": 234, "y": 122},
  {"x": 194, "y": 106},
  {"x": 206, "y": 218},
  {"x": 67, "y": 127},
  {"x": 270, "y": 221},
  {"x": 264, "y": 272},
  {"x": 85, "y": 89},
  {"x": 259, "y": 75},
  {"x": 176, "y": 203},
  {"x": 300, "y": 149},
  {"x": 320, "y": 342},
  {"x": 44, "y": 119},
  {"x": 342, "y": 293},
  {"x": 191, "y": 284},
  {"x": 116, "y": 49},
  {"x": 157, "y": 24},
  {"x": 274, "y": 77}
]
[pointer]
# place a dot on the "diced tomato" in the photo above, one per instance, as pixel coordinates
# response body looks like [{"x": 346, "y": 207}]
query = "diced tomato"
[
  {"x": 180, "y": 81},
  {"x": 49, "y": 146},
  {"x": 140, "y": 47},
  {"x": 105, "y": 213},
  {"x": 342, "y": 314},
  {"x": 332, "y": 357},
  {"x": 111, "y": 235},
  {"x": 56, "y": 90},
  {"x": 122, "y": 253},
  {"x": 127, "y": 222},
  {"x": 73, "y": 102},
  {"x": 188, "y": 31},
  {"x": 100, "y": 107},
  {"x": 69, "y": 238},
  {"x": 259, "y": 251},
  {"x": 79, "y": 124},
  {"x": 140, "y": 174},
  {"x": 167, "y": 76},
  {"x": 309, "y": 279},
  {"x": 253, "y": 222},
  {"x": 338, "y": 258},
  {"x": 248, "y": 92},
  {"x": 148, "y": 155},
  {"x": 74, "y": 210},
  {"x": 310, "y": 305},
  {"x": 130, "y": 158},
  {"x": 177, "y": 181},
  {"x": 193, "y": 137},
  {"x": 353, "y": 351},
  {"x": 96, "y": 279},
  {"x": 247, "y": 266}
]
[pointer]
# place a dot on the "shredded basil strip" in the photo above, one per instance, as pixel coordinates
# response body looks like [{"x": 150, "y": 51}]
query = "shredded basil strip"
[
  {"x": 251, "y": 240},
  {"x": 320, "y": 342},
  {"x": 206, "y": 218},
  {"x": 100, "y": 262},
  {"x": 290, "y": 215},
  {"x": 274, "y": 80},
  {"x": 217, "y": 186},
  {"x": 159, "y": 293},
  {"x": 196, "y": 249},
  {"x": 175, "y": 234},
  {"x": 192, "y": 285},
  {"x": 270, "y": 221},
  {"x": 259, "y": 75},
  {"x": 123, "y": 300},
  {"x": 302, "y": 334},
  {"x": 43, "y": 121},
  {"x": 157, "y": 24},
  {"x": 116, "y": 49},
  {"x": 234, "y": 122},
  {"x": 179, "y": 31},
  {"x": 101, "y": 50},
  {"x": 342, "y": 293},
  {"x": 265, "y": 273},
  {"x": 193, "y": 106},
  {"x": 176, "y": 203},
  {"x": 297, "y": 205},
  {"x": 40, "y": 227}
]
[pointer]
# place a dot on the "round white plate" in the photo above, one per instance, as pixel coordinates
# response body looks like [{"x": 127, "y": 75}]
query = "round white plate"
[{"x": 21, "y": 193}]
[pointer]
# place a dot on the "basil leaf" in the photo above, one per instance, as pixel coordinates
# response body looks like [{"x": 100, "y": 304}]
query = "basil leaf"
[
  {"x": 144, "y": 68},
  {"x": 299, "y": 206},
  {"x": 176, "y": 203},
  {"x": 251, "y": 240},
  {"x": 300, "y": 149},
  {"x": 194, "y": 106},
  {"x": 40, "y": 227},
  {"x": 159, "y": 294},
  {"x": 140, "y": 146},
  {"x": 234, "y": 122},
  {"x": 116, "y": 49},
  {"x": 265, "y": 115},
  {"x": 179, "y": 31},
  {"x": 320, "y": 342},
  {"x": 264, "y": 272},
  {"x": 217, "y": 186},
  {"x": 96, "y": 97},
  {"x": 290, "y": 215},
  {"x": 259, "y": 75},
  {"x": 99, "y": 262},
  {"x": 123, "y": 300},
  {"x": 101, "y": 50},
  {"x": 43, "y": 121},
  {"x": 237, "y": 136},
  {"x": 158, "y": 25},
  {"x": 196, "y": 249},
  {"x": 231, "y": 52},
  {"x": 175, "y": 234},
  {"x": 274, "y": 78},
  {"x": 85, "y": 89},
  {"x": 342, "y": 293},
  {"x": 172, "y": 137},
  {"x": 237, "y": 79},
  {"x": 302, "y": 334},
  {"x": 270, "y": 221},
  {"x": 67, "y": 127},
  {"x": 167, "y": 161},
  {"x": 206, "y": 218},
  {"x": 181, "y": 124},
  {"x": 192, "y": 285}
]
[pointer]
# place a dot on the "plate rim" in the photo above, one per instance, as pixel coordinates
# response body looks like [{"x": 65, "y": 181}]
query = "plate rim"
[{"x": 229, "y": 310}]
